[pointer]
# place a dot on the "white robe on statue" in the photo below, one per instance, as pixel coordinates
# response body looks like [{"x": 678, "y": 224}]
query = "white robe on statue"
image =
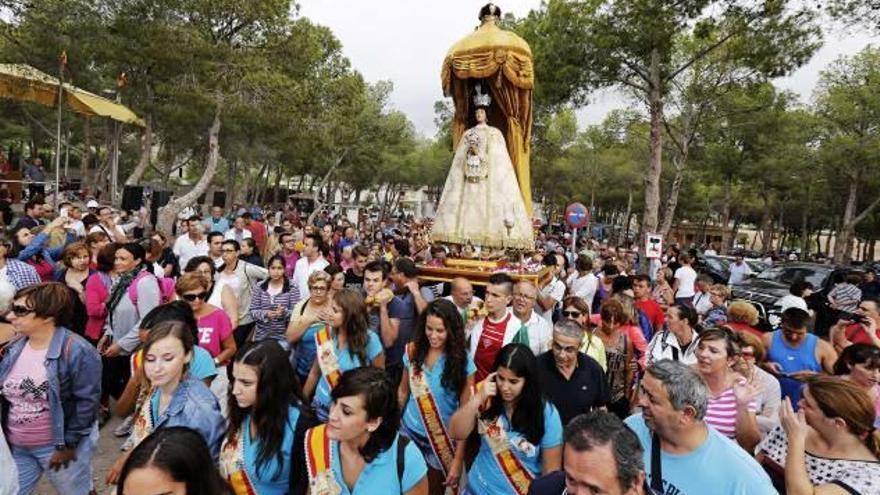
[{"x": 481, "y": 202}]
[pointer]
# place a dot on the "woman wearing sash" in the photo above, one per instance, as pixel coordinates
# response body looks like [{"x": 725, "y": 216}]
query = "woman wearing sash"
[
  {"x": 438, "y": 377},
  {"x": 265, "y": 406},
  {"x": 177, "y": 398},
  {"x": 345, "y": 344},
  {"x": 520, "y": 433},
  {"x": 359, "y": 450}
]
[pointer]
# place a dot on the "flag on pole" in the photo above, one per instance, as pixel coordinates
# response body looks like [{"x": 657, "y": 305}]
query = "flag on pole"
[
  {"x": 63, "y": 58},
  {"x": 122, "y": 80}
]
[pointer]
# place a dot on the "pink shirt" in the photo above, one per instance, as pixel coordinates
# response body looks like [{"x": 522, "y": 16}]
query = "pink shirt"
[
  {"x": 721, "y": 413},
  {"x": 214, "y": 328},
  {"x": 27, "y": 390}
]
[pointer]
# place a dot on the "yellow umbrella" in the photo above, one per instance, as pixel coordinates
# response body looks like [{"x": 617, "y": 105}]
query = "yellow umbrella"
[{"x": 25, "y": 83}]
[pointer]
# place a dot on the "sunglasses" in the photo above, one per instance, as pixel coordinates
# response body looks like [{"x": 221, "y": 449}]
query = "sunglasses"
[
  {"x": 19, "y": 310},
  {"x": 571, "y": 314},
  {"x": 192, "y": 297}
]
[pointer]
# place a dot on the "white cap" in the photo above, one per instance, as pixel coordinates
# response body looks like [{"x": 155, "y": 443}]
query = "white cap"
[{"x": 92, "y": 204}]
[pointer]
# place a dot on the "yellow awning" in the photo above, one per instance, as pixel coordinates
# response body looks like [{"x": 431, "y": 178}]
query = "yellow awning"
[{"x": 25, "y": 83}]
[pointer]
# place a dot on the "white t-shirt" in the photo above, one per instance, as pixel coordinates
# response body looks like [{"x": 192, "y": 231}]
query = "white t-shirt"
[
  {"x": 584, "y": 287},
  {"x": 115, "y": 234},
  {"x": 686, "y": 277},
  {"x": 556, "y": 290},
  {"x": 185, "y": 249},
  {"x": 738, "y": 272},
  {"x": 301, "y": 273}
]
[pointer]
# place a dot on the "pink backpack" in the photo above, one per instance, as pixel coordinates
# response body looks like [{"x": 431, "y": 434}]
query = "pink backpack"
[{"x": 166, "y": 287}]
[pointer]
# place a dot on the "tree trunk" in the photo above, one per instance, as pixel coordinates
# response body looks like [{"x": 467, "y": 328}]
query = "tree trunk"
[
  {"x": 805, "y": 224},
  {"x": 168, "y": 213},
  {"x": 317, "y": 192},
  {"x": 655, "y": 163},
  {"x": 727, "y": 239},
  {"x": 679, "y": 160},
  {"x": 231, "y": 173},
  {"x": 146, "y": 149},
  {"x": 842, "y": 245}
]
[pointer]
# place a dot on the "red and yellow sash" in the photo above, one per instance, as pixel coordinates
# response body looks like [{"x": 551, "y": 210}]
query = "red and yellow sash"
[
  {"x": 429, "y": 413},
  {"x": 232, "y": 465},
  {"x": 326, "y": 355},
  {"x": 144, "y": 421},
  {"x": 322, "y": 481},
  {"x": 517, "y": 475}
]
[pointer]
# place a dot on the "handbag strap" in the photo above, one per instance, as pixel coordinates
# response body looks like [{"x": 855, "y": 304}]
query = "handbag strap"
[{"x": 656, "y": 468}]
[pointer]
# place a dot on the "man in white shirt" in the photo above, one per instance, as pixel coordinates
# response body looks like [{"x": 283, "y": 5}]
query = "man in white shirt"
[
  {"x": 552, "y": 293},
  {"x": 191, "y": 244},
  {"x": 238, "y": 232},
  {"x": 312, "y": 260},
  {"x": 462, "y": 295},
  {"x": 107, "y": 225},
  {"x": 685, "y": 278},
  {"x": 538, "y": 331},
  {"x": 583, "y": 283},
  {"x": 739, "y": 270}
]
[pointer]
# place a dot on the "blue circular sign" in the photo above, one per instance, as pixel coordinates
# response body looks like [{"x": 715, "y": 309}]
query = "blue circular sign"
[{"x": 577, "y": 215}]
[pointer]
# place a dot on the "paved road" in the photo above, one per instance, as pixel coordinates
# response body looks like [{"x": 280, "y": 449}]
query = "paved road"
[{"x": 105, "y": 456}]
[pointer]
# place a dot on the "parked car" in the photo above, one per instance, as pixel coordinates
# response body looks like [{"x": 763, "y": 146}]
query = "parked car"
[
  {"x": 766, "y": 288},
  {"x": 716, "y": 267}
]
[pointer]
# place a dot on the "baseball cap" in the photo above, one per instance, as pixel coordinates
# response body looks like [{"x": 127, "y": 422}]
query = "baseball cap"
[{"x": 92, "y": 204}]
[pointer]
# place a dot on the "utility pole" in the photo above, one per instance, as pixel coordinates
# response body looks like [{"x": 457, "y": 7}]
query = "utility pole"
[{"x": 62, "y": 61}]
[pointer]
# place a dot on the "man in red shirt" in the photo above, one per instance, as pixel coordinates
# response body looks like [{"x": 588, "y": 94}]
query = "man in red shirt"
[
  {"x": 646, "y": 303},
  {"x": 257, "y": 230},
  {"x": 847, "y": 332},
  {"x": 488, "y": 335}
]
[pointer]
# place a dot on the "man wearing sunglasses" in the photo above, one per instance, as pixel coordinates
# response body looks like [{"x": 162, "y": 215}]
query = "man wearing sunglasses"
[
  {"x": 571, "y": 380},
  {"x": 535, "y": 331}
]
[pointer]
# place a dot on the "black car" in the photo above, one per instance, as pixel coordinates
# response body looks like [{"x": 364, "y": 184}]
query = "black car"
[
  {"x": 716, "y": 267},
  {"x": 766, "y": 288}
]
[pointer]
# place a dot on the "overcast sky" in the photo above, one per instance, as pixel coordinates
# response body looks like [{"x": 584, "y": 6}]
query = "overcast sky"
[{"x": 406, "y": 41}]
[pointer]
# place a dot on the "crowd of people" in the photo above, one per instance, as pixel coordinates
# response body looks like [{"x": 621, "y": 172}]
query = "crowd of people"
[{"x": 255, "y": 353}]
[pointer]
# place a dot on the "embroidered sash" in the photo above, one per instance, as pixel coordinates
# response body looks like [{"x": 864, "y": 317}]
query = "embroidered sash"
[
  {"x": 326, "y": 355},
  {"x": 429, "y": 413},
  {"x": 144, "y": 421},
  {"x": 232, "y": 465},
  {"x": 517, "y": 475},
  {"x": 322, "y": 481}
]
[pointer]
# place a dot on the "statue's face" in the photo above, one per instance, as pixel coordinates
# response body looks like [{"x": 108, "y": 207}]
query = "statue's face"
[{"x": 481, "y": 115}]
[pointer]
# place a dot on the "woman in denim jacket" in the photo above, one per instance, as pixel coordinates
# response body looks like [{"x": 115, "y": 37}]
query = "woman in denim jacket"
[
  {"x": 50, "y": 382},
  {"x": 177, "y": 398}
]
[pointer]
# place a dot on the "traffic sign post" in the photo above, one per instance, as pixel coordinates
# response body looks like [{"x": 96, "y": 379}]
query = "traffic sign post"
[{"x": 576, "y": 216}]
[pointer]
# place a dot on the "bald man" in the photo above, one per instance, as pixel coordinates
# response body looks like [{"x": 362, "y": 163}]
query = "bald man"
[
  {"x": 536, "y": 330},
  {"x": 462, "y": 295}
]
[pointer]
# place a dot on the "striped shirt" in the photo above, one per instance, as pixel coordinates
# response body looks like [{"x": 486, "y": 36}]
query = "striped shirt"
[
  {"x": 263, "y": 301},
  {"x": 721, "y": 413}
]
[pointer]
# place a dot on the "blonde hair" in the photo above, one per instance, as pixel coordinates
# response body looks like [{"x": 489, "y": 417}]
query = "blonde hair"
[
  {"x": 722, "y": 290},
  {"x": 742, "y": 312},
  {"x": 192, "y": 281},
  {"x": 839, "y": 398}
]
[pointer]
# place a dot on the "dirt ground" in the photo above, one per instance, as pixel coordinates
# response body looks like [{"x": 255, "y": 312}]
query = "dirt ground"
[{"x": 105, "y": 456}]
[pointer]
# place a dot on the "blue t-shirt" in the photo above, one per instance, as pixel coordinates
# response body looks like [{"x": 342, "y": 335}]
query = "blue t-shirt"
[
  {"x": 447, "y": 400},
  {"x": 347, "y": 361},
  {"x": 269, "y": 480},
  {"x": 306, "y": 349},
  {"x": 202, "y": 365},
  {"x": 485, "y": 476},
  {"x": 380, "y": 475},
  {"x": 718, "y": 463}
]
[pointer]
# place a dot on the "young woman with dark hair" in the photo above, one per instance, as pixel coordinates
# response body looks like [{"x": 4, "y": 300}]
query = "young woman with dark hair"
[
  {"x": 272, "y": 303},
  {"x": 172, "y": 461},
  {"x": 860, "y": 364},
  {"x": 219, "y": 294},
  {"x": 359, "y": 450},
  {"x": 344, "y": 344},
  {"x": 267, "y": 419},
  {"x": 437, "y": 379},
  {"x": 520, "y": 432}
]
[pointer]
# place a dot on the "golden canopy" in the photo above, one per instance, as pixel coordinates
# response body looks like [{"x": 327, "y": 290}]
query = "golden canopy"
[{"x": 504, "y": 61}]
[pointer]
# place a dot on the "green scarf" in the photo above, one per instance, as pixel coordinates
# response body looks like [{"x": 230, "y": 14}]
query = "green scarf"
[{"x": 119, "y": 289}]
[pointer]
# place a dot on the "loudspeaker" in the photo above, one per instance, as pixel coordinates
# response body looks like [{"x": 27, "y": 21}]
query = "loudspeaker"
[
  {"x": 132, "y": 198},
  {"x": 160, "y": 199},
  {"x": 219, "y": 199}
]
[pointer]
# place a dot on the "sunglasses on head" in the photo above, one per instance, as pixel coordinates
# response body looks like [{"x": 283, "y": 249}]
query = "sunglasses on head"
[
  {"x": 193, "y": 297},
  {"x": 20, "y": 310}
]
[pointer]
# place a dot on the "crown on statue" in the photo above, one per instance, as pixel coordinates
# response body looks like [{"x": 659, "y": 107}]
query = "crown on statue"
[{"x": 481, "y": 99}]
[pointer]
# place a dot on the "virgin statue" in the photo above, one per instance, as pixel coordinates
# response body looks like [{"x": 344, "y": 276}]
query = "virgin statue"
[{"x": 481, "y": 204}]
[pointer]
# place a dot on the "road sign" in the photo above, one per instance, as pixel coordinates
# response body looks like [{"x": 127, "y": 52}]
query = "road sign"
[
  {"x": 653, "y": 246},
  {"x": 577, "y": 215}
]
